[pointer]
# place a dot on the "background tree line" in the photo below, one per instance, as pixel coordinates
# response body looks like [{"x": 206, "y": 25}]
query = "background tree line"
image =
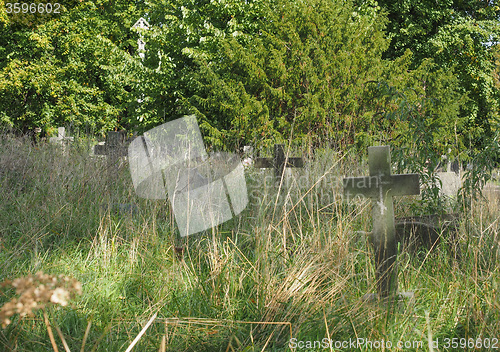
[{"x": 313, "y": 72}]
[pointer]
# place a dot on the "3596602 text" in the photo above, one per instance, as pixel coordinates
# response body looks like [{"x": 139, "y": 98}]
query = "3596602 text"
[{"x": 23, "y": 7}]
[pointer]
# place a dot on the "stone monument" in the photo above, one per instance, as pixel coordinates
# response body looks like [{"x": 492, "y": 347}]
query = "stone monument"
[{"x": 381, "y": 186}]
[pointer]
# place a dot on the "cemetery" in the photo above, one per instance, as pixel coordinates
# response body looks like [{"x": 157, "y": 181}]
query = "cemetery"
[
  {"x": 360, "y": 251},
  {"x": 250, "y": 176}
]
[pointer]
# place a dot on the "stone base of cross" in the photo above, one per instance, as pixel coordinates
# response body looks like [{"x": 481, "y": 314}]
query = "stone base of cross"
[{"x": 380, "y": 187}]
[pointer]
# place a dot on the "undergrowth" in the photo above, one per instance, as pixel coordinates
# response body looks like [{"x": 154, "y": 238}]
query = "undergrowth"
[{"x": 288, "y": 271}]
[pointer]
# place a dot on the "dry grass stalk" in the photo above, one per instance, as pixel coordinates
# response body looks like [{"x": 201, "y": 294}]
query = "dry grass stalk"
[
  {"x": 49, "y": 331},
  {"x": 87, "y": 331},
  {"x": 144, "y": 329}
]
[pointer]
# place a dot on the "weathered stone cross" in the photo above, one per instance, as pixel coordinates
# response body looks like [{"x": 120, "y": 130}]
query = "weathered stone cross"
[
  {"x": 381, "y": 186},
  {"x": 61, "y": 138},
  {"x": 278, "y": 162}
]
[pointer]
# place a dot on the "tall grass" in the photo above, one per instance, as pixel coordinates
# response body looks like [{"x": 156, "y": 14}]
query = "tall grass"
[{"x": 290, "y": 266}]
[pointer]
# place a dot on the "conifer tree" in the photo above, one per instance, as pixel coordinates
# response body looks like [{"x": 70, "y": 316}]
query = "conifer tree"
[{"x": 286, "y": 70}]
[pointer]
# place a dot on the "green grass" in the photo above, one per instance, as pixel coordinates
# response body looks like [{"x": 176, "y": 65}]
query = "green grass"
[{"x": 288, "y": 266}]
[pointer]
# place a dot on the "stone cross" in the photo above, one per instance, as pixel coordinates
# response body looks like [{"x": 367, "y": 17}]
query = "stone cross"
[
  {"x": 61, "y": 138},
  {"x": 381, "y": 186},
  {"x": 278, "y": 162}
]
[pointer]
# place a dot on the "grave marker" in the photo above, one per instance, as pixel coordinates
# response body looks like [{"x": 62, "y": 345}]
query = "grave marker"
[
  {"x": 426, "y": 231},
  {"x": 141, "y": 44},
  {"x": 61, "y": 138},
  {"x": 381, "y": 186},
  {"x": 279, "y": 162}
]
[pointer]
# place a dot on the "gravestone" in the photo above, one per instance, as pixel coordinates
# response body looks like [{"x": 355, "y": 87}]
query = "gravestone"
[
  {"x": 36, "y": 135},
  {"x": 450, "y": 184},
  {"x": 450, "y": 176},
  {"x": 427, "y": 231},
  {"x": 247, "y": 156},
  {"x": 142, "y": 24},
  {"x": 61, "y": 138},
  {"x": 381, "y": 186},
  {"x": 278, "y": 162}
]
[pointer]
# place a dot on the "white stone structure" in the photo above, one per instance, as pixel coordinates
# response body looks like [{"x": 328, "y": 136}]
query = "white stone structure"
[{"x": 142, "y": 24}]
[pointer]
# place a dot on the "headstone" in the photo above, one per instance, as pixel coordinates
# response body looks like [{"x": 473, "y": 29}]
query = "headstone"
[
  {"x": 381, "y": 186},
  {"x": 37, "y": 131},
  {"x": 416, "y": 235},
  {"x": 427, "y": 231},
  {"x": 114, "y": 148},
  {"x": 450, "y": 176},
  {"x": 279, "y": 162},
  {"x": 450, "y": 183},
  {"x": 247, "y": 156},
  {"x": 61, "y": 138},
  {"x": 491, "y": 191}
]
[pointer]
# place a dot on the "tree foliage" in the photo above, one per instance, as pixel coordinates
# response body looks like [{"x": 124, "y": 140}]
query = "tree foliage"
[
  {"x": 458, "y": 36},
  {"x": 258, "y": 72},
  {"x": 73, "y": 68}
]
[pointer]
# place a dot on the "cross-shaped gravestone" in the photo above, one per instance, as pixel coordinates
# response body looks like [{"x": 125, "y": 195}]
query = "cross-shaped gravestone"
[
  {"x": 381, "y": 186},
  {"x": 278, "y": 162},
  {"x": 61, "y": 138}
]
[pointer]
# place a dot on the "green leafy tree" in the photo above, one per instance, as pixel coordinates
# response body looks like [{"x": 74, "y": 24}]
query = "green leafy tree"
[
  {"x": 77, "y": 68},
  {"x": 258, "y": 73},
  {"x": 463, "y": 48},
  {"x": 180, "y": 33},
  {"x": 458, "y": 36}
]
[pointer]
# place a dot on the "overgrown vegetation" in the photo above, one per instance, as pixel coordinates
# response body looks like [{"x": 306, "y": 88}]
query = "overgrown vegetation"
[
  {"x": 254, "y": 72},
  {"x": 291, "y": 266},
  {"x": 328, "y": 78}
]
